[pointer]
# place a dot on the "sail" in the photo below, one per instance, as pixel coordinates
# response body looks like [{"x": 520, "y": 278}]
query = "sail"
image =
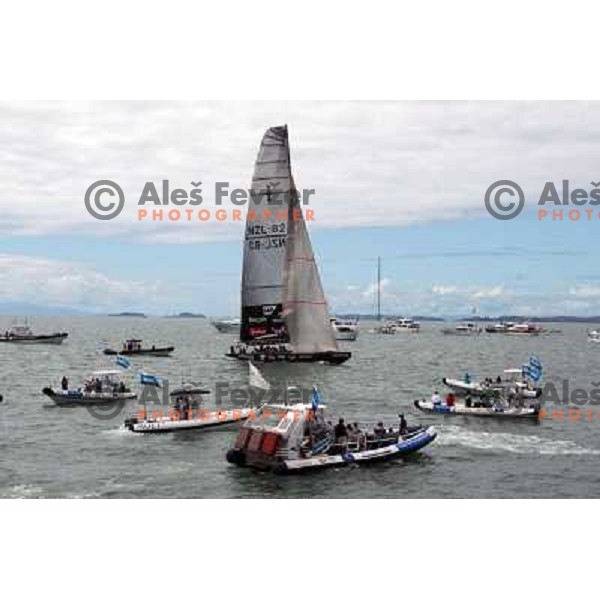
[
  {"x": 256, "y": 378},
  {"x": 264, "y": 242},
  {"x": 305, "y": 308}
]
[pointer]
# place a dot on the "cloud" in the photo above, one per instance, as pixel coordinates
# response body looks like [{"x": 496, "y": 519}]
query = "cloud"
[
  {"x": 371, "y": 164},
  {"x": 36, "y": 280},
  {"x": 371, "y": 289},
  {"x": 493, "y": 292},
  {"x": 585, "y": 291},
  {"x": 443, "y": 290}
]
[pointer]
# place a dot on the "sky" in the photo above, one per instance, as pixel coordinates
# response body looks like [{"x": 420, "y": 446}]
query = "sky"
[{"x": 401, "y": 180}]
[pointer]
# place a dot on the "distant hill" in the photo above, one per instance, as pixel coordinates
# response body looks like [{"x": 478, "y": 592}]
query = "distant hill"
[
  {"x": 24, "y": 309},
  {"x": 187, "y": 315},
  {"x": 128, "y": 314},
  {"x": 556, "y": 319}
]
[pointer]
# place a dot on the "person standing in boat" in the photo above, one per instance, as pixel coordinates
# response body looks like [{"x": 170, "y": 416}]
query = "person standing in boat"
[
  {"x": 403, "y": 424},
  {"x": 341, "y": 435},
  {"x": 436, "y": 400},
  {"x": 64, "y": 384}
]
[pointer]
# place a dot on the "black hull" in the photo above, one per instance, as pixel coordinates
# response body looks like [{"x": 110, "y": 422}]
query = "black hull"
[
  {"x": 334, "y": 358},
  {"x": 143, "y": 352},
  {"x": 51, "y": 338}
]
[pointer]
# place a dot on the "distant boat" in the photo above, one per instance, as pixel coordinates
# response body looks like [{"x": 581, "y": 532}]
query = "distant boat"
[
  {"x": 594, "y": 336},
  {"x": 227, "y": 325},
  {"x": 101, "y": 387},
  {"x": 134, "y": 347},
  {"x": 22, "y": 334},
  {"x": 400, "y": 325},
  {"x": 463, "y": 329},
  {"x": 284, "y": 311},
  {"x": 345, "y": 329},
  {"x": 524, "y": 328}
]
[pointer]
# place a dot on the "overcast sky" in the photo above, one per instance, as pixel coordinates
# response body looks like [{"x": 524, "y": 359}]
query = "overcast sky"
[{"x": 404, "y": 180}]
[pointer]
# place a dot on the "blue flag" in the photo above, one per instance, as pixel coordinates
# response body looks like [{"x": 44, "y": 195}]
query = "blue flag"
[
  {"x": 534, "y": 368},
  {"x": 315, "y": 399},
  {"x": 122, "y": 361},
  {"x": 148, "y": 379}
]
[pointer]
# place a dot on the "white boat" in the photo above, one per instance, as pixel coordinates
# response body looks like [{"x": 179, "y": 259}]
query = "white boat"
[
  {"x": 512, "y": 382},
  {"x": 494, "y": 409},
  {"x": 101, "y": 387},
  {"x": 187, "y": 412},
  {"x": 400, "y": 325},
  {"x": 464, "y": 329},
  {"x": 296, "y": 438},
  {"x": 524, "y": 328},
  {"x": 284, "y": 311},
  {"x": 345, "y": 329},
  {"x": 227, "y": 325},
  {"x": 594, "y": 336},
  {"x": 22, "y": 334},
  {"x": 499, "y": 327}
]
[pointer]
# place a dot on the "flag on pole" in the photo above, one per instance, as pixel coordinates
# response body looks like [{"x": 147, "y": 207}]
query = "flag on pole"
[
  {"x": 123, "y": 362},
  {"x": 315, "y": 399},
  {"x": 533, "y": 370},
  {"x": 149, "y": 379}
]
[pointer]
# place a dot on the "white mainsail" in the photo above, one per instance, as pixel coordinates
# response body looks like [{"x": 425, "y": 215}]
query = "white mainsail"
[
  {"x": 265, "y": 239},
  {"x": 304, "y": 305}
]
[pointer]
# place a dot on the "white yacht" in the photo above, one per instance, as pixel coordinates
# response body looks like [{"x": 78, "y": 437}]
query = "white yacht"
[
  {"x": 462, "y": 329},
  {"x": 345, "y": 329},
  {"x": 400, "y": 325}
]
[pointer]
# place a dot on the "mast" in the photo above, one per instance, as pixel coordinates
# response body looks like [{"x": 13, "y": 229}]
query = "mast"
[{"x": 379, "y": 288}]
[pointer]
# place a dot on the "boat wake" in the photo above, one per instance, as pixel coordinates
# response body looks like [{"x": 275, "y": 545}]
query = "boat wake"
[{"x": 453, "y": 435}]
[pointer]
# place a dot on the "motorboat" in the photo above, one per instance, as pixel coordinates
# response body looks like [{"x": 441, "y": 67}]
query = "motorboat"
[
  {"x": 284, "y": 312},
  {"x": 593, "y": 336},
  {"x": 100, "y": 387},
  {"x": 134, "y": 347},
  {"x": 187, "y": 412},
  {"x": 400, "y": 325},
  {"x": 464, "y": 329},
  {"x": 493, "y": 408},
  {"x": 296, "y": 438},
  {"x": 345, "y": 329},
  {"x": 22, "y": 334},
  {"x": 524, "y": 328},
  {"x": 227, "y": 325},
  {"x": 500, "y": 327},
  {"x": 513, "y": 381}
]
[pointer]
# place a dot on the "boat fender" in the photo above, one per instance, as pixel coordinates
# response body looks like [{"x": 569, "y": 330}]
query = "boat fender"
[
  {"x": 270, "y": 443},
  {"x": 255, "y": 441},
  {"x": 348, "y": 457},
  {"x": 242, "y": 438}
]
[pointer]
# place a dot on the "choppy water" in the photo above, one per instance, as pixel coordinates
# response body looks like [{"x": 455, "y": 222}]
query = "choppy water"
[{"x": 47, "y": 451}]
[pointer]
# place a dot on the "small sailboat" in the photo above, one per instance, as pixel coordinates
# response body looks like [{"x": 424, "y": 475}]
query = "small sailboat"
[
  {"x": 134, "y": 347},
  {"x": 297, "y": 438},
  {"x": 284, "y": 310}
]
